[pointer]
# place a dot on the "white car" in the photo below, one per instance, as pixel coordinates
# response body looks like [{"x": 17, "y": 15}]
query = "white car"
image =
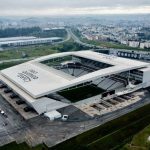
[{"x": 2, "y": 112}]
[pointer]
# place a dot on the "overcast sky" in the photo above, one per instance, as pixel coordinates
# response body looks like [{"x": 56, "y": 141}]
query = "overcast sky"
[{"x": 72, "y": 7}]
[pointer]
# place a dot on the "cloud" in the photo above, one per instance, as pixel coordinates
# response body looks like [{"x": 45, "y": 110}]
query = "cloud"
[{"x": 72, "y": 7}]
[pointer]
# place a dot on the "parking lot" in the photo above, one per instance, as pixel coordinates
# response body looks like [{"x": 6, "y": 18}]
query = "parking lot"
[
  {"x": 18, "y": 129},
  {"x": 3, "y": 122},
  {"x": 10, "y": 122},
  {"x": 51, "y": 133},
  {"x": 19, "y": 104}
]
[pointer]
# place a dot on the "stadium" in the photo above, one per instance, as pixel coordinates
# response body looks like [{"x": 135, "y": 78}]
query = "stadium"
[{"x": 82, "y": 78}]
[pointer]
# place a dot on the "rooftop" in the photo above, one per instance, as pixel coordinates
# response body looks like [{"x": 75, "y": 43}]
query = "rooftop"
[
  {"x": 37, "y": 79},
  {"x": 25, "y": 39},
  {"x": 17, "y": 38}
]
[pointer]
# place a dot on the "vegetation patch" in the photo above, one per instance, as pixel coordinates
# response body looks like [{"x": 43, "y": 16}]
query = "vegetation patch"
[
  {"x": 139, "y": 141},
  {"x": 117, "y": 137},
  {"x": 110, "y": 133},
  {"x": 10, "y": 64},
  {"x": 39, "y": 50},
  {"x": 32, "y": 31},
  {"x": 22, "y": 146}
]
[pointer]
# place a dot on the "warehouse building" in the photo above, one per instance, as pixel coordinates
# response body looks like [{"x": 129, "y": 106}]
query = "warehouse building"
[{"x": 24, "y": 41}]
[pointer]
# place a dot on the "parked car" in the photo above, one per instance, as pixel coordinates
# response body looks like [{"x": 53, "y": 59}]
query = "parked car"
[
  {"x": 2, "y": 86},
  {"x": 3, "y": 113},
  {"x": 28, "y": 108},
  {"x": 13, "y": 95},
  {"x": 19, "y": 102},
  {"x": 7, "y": 90}
]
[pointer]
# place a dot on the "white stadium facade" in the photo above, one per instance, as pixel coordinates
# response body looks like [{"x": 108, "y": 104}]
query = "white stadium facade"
[{"x": 58, "y": 80}]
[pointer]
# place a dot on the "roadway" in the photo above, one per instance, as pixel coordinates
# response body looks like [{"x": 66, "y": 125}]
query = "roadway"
[
  {"x": 66, "y": 39},
  {"x": 77, "y": 40}
]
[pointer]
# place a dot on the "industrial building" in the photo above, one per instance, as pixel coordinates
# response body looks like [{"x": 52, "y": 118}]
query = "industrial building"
[
  {"x": 58, "y": 80},
  {"x": 24, "y": 41}
]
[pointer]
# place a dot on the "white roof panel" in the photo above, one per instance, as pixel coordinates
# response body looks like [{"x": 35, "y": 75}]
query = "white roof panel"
[
  {"x": 109, "y": 59},
  {"x": 21, "y": 40},
  {"x": 17, "y": 38},
  {"x": 33, "y": 79}
]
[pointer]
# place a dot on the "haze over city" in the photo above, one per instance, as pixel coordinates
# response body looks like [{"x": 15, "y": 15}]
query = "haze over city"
[{"x": 70, "y": 7}]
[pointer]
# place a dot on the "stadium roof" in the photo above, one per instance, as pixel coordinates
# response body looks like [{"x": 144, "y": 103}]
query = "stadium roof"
[{"x": 37, "y": 79}]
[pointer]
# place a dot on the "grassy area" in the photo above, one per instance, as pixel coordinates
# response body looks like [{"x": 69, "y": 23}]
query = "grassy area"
[
  {"x": 139, "y": 141},
  {"x": 30, "y": 51},
  {"x": 22, "y": 146},
  {"x": 75, "y": 94},
  {"x": 10, "y": 64},
  {"x": 113, "y": 140},
  {"x": 71, "y": 46},
  {"x": 51, "y": 33},
  {"x": 111, "y": 134},
  {"x": 15, "y": 146},
  {"x": 33, "y": 31},
  {"x": 39, "y": 50}
]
